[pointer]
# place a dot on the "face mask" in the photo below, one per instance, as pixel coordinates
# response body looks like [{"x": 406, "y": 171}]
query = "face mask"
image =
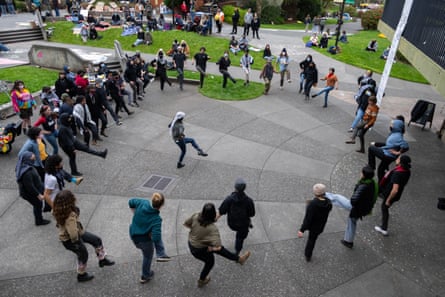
[
  {"x": 226, "y": 55},
  {"x": 21, "y": 87},
  {"x": 308, "y": 59}
]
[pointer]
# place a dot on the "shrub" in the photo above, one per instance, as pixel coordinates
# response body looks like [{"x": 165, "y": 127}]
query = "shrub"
[
  {"x": 351, "y": 10},
  {"x": 272, "y": 14},
  {"x": 371, "y": 18}
]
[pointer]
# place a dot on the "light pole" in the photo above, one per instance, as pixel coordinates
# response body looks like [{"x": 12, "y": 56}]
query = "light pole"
[{"x": 339, "y": 23}]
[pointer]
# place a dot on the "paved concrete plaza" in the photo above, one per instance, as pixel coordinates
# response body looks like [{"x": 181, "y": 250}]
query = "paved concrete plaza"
[{"x": 281, "y": 145}]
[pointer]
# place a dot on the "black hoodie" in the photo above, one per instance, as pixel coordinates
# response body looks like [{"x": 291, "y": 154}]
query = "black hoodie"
[
  {"x": 317, "y": 212},
  {"x": 66, "y": 137},
  {"x": 239, "y": 209}
]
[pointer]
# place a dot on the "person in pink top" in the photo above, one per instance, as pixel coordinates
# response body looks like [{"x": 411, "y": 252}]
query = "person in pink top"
[{"x": 23, "y": 103}]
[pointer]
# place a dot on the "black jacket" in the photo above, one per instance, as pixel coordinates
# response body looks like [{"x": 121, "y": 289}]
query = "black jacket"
[
  {"x": 66, "y": 137},
  {"x": 362, "y": 199},
  {"x": 62, "y": 85},
  {"x": 30, "y": 184},
  {"x": 223, "y": 64},
  {"x": 239, "y": 209},
  {"x": 311, "y": 74},
  {"x": 317, "y": 212}
]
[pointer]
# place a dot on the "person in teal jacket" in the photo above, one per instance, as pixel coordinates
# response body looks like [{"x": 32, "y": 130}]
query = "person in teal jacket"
[{"x": 145, "y": 231}]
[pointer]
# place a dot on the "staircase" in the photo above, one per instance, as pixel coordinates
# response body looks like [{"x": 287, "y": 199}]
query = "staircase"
[{"x": 21, "y": 35}]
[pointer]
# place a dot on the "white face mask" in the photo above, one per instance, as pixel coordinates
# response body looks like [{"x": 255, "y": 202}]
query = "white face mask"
[
  {"x": 226, "y": 55},
  {"x": 21, "y": 87}
]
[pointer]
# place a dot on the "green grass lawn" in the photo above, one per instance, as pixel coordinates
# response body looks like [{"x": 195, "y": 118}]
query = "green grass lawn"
[
  {"x": 33, "y": 77},
  {"x": 354, "y": 53}
]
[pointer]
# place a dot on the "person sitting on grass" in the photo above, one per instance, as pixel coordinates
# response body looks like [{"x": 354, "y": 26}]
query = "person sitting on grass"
[
  {"x": 324, "y": 40},
  {"x": 372, "y": 46},
  {"x": 343, "y": 37},
  {"x": 234, "y": 46},
  {"x": 314, "y": 40}
]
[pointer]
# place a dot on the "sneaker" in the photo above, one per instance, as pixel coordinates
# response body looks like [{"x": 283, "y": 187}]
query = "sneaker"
[
  {"x": 380, "y": 230},
  {"x": 105, "y": 262},
  {"x": 84, "y": 277},
  {"x": 76, "y": 173},
  {"x": 347, "y": 243},
  {"x": 350, "y": 130},
  {"x": 78, "y": 180},
  {"x": 350, "y": 141},
  {"x": 146, "y": 279},
  {"x": 362, "y": 151},
  {"x": 132, "y": 104},
  {"x": 308, "y": 259},
  {"x": 201, "y": 153},
  {"x": 289, "y": 81},
  {"x": 315, "y": 95},
  {"x": 118, "y": 123},
  {"x": 163, "y": 259},
  {"x": 242, "y": 259},
  {"x": 152, "y": 79},
  {"x": 43, "y": 222},
  {"x": 180, "y": 165},
  {"x": 202, "y": 283}
]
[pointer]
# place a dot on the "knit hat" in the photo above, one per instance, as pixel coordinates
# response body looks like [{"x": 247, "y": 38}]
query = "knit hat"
[
  {"x": 240, "y": 184},
  {"x": 319, "y": 189},
  {"x": 64, "y": 96}
]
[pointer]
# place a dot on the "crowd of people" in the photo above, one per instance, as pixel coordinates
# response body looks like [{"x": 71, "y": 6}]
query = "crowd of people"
[{"x": 77, "y": 107}]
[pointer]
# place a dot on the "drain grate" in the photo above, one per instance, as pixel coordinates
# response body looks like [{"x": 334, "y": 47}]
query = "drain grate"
[{"x": 158, "y": 182}]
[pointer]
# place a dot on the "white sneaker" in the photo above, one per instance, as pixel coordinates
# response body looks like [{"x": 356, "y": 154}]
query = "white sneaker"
[{"x": 380, "y": 230}]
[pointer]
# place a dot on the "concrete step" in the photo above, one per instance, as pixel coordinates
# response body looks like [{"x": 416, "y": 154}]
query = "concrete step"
[{"x": 21, "y": 35}]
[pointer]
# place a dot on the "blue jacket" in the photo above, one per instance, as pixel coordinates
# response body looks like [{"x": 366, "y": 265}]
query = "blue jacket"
[
  {"x": 32, "y": 146},
  {"x": 146, "y": 223},
  {"x": 395, "y": 139}
]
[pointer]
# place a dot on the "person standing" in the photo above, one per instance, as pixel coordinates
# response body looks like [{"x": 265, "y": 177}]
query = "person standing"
[
  {"x": 115, "y": 88},
  {"x": 245, "y": 62},
  {"x": 201, "y": 59},
  {"x": 317, "y": 212},
  {"x": 30, "y": 186},
  {"x": 84, "y": 121},
  {"x": 267, "y": 75},
  {"x": 145, "y": 230},
  {"x": 367, "y": 88},
  {"x": 283, "y": 64},
  {"x": 32, "y": 145},
  {"x": 204, "y": 240},
  {"x": 362, "y": 201},
  {"x": 307, "y": 22},
  {"x": 256, "y": 23},
  {"x": 365, "y": 124},
  {"x": 177, "y": 133},
  {"x": 64, "y": 85},
  {"x": 235, "y": 20},
  {"x": 248, "y": 17},
  {"x": 331, "y": 83},
  {"x": 73, "y": 236},
  {"x": 224, "y": 63},
  {"x": 23, "y": 103},
  {"x": 49, "y": 125},
  {"x": 239, "y": 209},
  {"x": 310, "y": 79},
  {"x": 389, "y": 151},
  {"x": 219, "y": 19},
  {"x": 178, "y": 61},
  {"x": 161, "y": 69},
  {"x": 391, "y": 187},
  {"x": 303, "y": 65}
]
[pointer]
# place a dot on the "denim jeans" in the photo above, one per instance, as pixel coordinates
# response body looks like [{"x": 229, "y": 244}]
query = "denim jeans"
[
  {"x": 358, "y": 117},
  {"x": 339, "y": 200},
  {"x": 301, "y": 80},
  {"x": 350, "y": 229},
  {"x": 160, "y": 250},
  {"x": 325, "y": 90},
  {"x": 147, "y": 248},
  {"x": 52, "y": 139},
  {"x": 209, "y": 259},
  {"x": 182, "y": 145},
  {"x": 138, "y": 41}
]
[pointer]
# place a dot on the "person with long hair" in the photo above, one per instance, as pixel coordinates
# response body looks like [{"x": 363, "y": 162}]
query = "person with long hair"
[
  {"x": 204, "y": 240},
  {"x": 23, "y": 103},
  {"x": 73, "y": 236},
  {"x": 48, "y": 120},
  {"x": 30, "y": 185},
  {"x": 55, "y": 177}
]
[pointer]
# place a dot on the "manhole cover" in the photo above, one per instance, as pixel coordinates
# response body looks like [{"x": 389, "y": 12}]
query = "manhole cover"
[{"x": 157, "y": 182}]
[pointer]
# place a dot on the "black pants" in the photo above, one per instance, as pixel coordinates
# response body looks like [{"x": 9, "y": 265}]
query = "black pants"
[
  {"x": 246, "y": 29},
  {"x": 37, "y": 206},
  {"x": 307, "y": 86},
  {"x": 375, "y": 151},
  {"x": 235, "y": 28},
  {"x": 202, "y": 74},
  {"x": 120, "y": 103},
  {"x": 310, "y": 244},
  {"x": 102, "y": 117},
  {"x": 163, "y": 78},
  {"x": 241, "y": 234},
  {"x": 209, "y": 259},
  {"x": 72, "y": 155},
  {"x": 79, "y": 247},
  {"x": 226, "y": 75},
  {"x": 385, "y": 214}
]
